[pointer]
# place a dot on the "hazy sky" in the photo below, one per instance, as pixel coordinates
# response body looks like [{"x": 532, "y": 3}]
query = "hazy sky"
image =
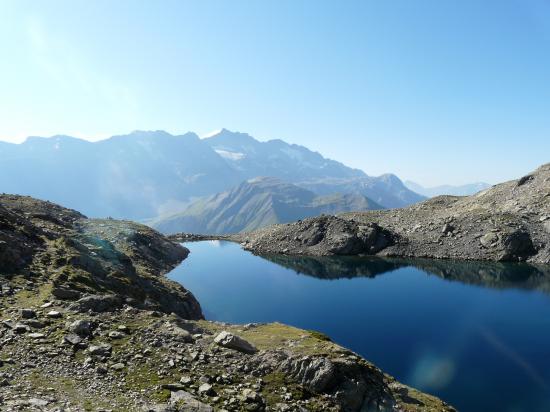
[{"x": 434, "y": 91}]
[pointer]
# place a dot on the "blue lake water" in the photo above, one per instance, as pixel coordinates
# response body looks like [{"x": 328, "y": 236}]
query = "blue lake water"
[{"x": 475, "y": 334}]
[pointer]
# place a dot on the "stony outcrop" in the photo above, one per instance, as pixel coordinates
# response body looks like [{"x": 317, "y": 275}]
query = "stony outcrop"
[
  {"x": 99, "y": 264},
  {"x": 88, "y": 322},
  {"x": 508, "y": 222},
  {"x": 324, "y": 235}
]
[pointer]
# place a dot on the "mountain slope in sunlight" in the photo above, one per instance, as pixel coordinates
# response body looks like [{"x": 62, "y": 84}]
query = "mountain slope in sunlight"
[{"x": 257, "y": 203}]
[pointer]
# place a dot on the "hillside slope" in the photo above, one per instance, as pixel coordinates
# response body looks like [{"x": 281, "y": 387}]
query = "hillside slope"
[
  {"x": 508, "y": 222},
  {"x": 256, "y": 203},
  {"x": 67, "y": 254}
]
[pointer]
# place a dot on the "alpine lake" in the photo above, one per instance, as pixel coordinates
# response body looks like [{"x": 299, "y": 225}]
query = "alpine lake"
[{"x": 475, "y": 334}]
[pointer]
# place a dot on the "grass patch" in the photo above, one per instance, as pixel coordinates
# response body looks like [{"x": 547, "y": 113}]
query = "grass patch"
[
  {"x": 319, "y": 335},
  {"x": 273, "y": 383},
  {"x": 161, "y": 396},
  {"x": 33, "y": 298}
]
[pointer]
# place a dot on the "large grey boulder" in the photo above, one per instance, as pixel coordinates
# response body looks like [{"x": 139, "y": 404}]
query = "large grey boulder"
[
  {"x": 509, "y": 244},
  {"x": 82, "y": 328},
  {"x": 230, "y": 341},
  {"x": 102, "y": 349},
  {"x": 182, "y": 401},
  {"x": 65, "y": 293},
  {"x": 317, "y": 374}
]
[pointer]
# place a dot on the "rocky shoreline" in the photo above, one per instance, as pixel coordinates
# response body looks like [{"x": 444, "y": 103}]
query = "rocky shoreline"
[
  {"x": 88, "y": 322},
  {"x": 508, "y": 222},
  {"x": 193, "y": 237}
]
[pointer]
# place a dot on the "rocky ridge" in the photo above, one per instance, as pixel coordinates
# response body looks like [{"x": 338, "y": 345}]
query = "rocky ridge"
[
  {"x": 88, "y": 323},
  {"x": 508, "y": 222}
]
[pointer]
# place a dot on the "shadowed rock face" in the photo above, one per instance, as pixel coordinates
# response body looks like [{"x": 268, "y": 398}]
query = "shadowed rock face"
[
  {"x": 17, "y": 241},
  {"x": 76, "y": 256},
  {"x": 324, "y": 235},
  {"x": 509, "y": 222}
]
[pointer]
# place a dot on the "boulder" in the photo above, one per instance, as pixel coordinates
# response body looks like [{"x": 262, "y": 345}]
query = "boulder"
[
  {"x": 82, "y": 328},
  {"x": 317, "y": 374},
  {"x": 489, "y": 239},
  {"x": 72, "y": 339},
  {"x": 28, "y": 313},
  {"x": 115, "y": 334},
  {"x": 118, "y": 366},
  {"x": 97, "y": 303},
  {"x": 102, "y": 349},
  {"x": 230, "y": 341},
  {"x": 21, "y": 328},
  {"x": 54, "y": 314},
  {"x": 65, "y": 293},
  {"x": 35, "y": 323},
  {"x": 206, "y": 389},
  {"x": 509, "y": 245},
  {"x": 187, "y": 402}
]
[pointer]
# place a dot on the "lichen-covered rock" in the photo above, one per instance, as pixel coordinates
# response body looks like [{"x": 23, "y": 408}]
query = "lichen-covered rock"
[{"x": 316, "y": 374}]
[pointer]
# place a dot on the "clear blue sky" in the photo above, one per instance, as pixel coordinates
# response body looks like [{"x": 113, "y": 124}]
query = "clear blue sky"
[{"x": 434, "y": 91}]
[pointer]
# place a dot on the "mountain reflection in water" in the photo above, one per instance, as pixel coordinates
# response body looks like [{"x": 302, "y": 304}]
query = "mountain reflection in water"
[{"x": 496, "y": 275}]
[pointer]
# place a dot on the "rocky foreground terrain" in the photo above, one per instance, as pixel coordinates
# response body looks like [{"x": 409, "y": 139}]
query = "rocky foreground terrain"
[
  {"x": 89, "y": 323},
  {"x": 508, "y": 222}
]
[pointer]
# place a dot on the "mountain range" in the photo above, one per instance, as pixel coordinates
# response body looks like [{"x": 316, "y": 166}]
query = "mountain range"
[
  {"x": 149, "y": 173},
  {"x": 462, "y": 190},
  {"x": 256, "y": 203}
]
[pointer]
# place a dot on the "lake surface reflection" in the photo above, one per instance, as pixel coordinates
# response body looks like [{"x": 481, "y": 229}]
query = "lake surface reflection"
[{"x": 475, "y": 334}]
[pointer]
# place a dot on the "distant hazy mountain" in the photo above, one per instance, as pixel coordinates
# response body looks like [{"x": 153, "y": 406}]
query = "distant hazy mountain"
[
  {"x": 463, "y": 190},
  {"x": 386, "y": 190},
  {"x": 256, "y": 203},
  {"x": 276, "y": 158},
  {"x": 132, "y": 176},
  {"x": 308, "y": 169},
  {"x": 145, "y": 174}
]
